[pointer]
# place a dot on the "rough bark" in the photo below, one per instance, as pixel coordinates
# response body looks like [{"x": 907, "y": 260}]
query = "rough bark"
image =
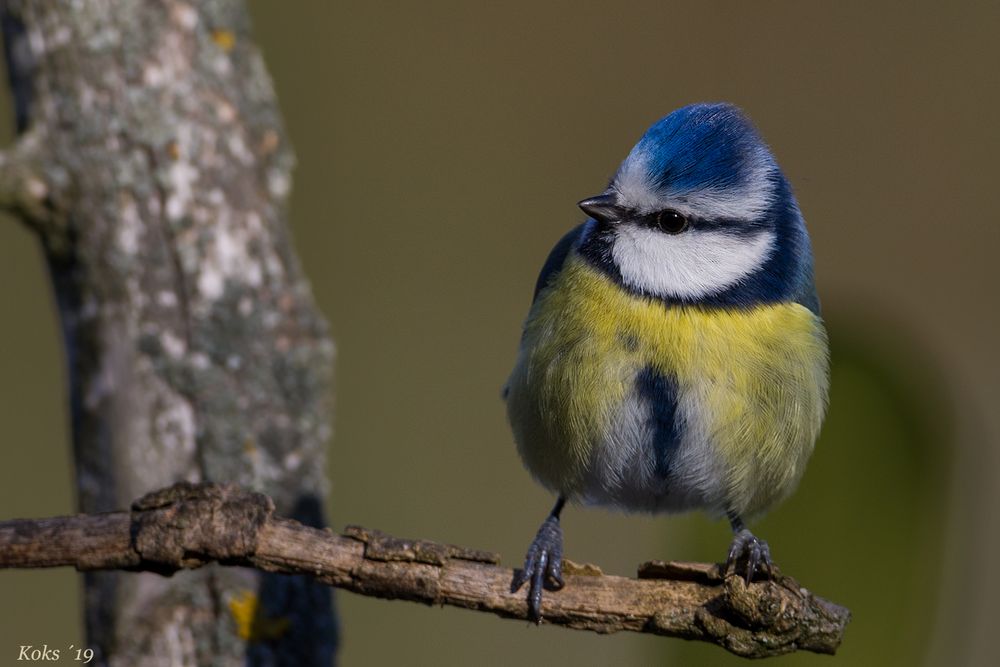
[
  {"x": 153, "y": 164},
  {"x": 186, "y": 526}
]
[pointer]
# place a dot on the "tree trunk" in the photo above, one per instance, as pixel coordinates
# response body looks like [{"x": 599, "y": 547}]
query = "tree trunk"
[{"x": 153, "y": 164}]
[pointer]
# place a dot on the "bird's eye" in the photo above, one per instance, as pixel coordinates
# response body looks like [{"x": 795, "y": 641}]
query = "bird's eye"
[{"x": 671, "y": 222}]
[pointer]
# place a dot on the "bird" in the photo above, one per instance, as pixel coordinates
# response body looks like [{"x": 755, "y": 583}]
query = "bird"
[{"x": 674, "y": 357}]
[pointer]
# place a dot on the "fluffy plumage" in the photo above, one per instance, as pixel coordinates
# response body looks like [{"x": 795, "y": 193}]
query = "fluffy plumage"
[
  {"x": 671, "y": 371},
  {"x": 744, "y": 390}
]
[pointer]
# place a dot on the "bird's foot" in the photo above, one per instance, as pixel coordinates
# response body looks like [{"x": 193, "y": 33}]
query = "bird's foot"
[
  {"x": 542, "y": 566},
  {"x": 747, "y": 547}
]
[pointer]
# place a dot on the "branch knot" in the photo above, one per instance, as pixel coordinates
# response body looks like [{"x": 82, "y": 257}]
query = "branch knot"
[{"x": 187, "y": 525}]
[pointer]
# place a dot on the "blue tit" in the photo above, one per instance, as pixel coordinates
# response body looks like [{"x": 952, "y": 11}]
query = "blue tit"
[{"x": 674, "y": 357}]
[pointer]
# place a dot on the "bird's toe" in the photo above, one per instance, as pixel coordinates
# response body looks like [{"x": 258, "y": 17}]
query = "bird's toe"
[
  {"x": 542, "y": 567},
  {"x": 755, "y": 551}
]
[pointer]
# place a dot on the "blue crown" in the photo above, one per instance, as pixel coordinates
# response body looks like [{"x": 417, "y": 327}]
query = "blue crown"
[{"x": 703, "y": 146}]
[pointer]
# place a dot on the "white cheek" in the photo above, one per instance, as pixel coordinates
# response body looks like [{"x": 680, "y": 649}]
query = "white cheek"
[{"x": 692, "y": 265}]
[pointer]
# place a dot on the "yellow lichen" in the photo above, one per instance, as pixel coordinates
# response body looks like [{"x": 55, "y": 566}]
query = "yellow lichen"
[
  {"x": 225, "y": 39},
  {"x": 251, "y": 623}
]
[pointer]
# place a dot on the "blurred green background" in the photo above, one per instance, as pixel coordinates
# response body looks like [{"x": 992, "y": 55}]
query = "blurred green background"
[{"x": 442, "y": 147}]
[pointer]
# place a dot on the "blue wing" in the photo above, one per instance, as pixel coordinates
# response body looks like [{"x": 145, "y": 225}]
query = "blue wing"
[
  {"x": 556, "y": 258},
  {"x": 553, "y": 264}
]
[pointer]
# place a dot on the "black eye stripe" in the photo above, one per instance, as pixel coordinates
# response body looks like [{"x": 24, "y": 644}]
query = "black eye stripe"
[{"x": 667, "y": 221}]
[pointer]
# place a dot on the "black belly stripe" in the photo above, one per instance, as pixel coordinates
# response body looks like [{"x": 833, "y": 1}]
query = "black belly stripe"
[{"x": 660, "y": 393}]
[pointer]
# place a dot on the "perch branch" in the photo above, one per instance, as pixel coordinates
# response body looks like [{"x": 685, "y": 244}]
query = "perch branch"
[{"x": 186, "y": 526}]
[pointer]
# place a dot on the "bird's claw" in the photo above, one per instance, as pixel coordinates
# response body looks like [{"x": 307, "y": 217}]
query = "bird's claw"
[
  {"x": 542, "y": 566},
  {"x": 756, "y": 552}
]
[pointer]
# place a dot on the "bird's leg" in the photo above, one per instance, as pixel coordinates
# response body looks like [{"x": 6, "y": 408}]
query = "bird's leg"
[
  {"x": 543, "y": 563},
  {"x": 746, "y": 546}
]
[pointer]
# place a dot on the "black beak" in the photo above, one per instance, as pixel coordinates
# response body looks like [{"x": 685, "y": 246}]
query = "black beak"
[{"x": 603, "y": 208}]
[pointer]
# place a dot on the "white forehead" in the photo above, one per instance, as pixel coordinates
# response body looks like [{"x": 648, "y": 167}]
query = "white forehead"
[
  {"x": 636, "y": 190},
  {"x": 696, "y": 264}
]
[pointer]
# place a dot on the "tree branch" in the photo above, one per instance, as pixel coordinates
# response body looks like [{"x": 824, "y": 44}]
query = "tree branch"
[
  {"x": 189, "y": 525},
  {"x": 154, "y": 165}
]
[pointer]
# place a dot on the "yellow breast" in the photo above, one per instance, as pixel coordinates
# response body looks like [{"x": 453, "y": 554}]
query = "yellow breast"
[{"x": 751, "y": 385}]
